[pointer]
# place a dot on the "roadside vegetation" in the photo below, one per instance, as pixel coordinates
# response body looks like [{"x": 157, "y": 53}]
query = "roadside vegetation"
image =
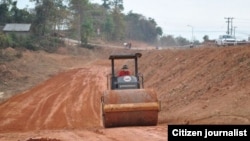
[{"x": 80, "y": 20}]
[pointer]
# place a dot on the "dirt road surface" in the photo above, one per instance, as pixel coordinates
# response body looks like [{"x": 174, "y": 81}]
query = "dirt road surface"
[
  {"x": 67, "y": 107},
  {"x": 206, "y": 85}
]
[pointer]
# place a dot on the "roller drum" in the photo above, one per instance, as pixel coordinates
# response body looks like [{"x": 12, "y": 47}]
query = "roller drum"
[{"x": 133, "y": 107}]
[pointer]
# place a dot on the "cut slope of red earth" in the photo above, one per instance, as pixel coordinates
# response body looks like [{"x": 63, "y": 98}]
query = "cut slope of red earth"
[
  {"x": 195, "y": 86},
  {"x": 201, "y": 85}
]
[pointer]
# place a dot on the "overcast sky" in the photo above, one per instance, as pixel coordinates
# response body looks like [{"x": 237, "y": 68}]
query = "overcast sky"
[{"x": 204, "y": 17}]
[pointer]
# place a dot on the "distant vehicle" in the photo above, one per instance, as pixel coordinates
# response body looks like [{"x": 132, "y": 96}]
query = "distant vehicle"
[
  {"x": 158, "y": 48},
  {"x": 226, "y": 40}
]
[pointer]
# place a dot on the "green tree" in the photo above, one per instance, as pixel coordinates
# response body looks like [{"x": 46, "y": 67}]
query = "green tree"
[
  {"x": 48, "y": 16},
  {"x": 87, "y": 31},
  {"x": 10, "y": 13},
  {"x": 5, "y": 41},
  {"x": 106, "y": 4},
  {"x": 182, "y": 41},
  {"x": 133, "y": 26},
  {"x": 149, "y": 27},
  {"x": 108, "y": 28},
  {"x": 4, "y": 13},
  {"x": 43, "y": 9},
  {"x": 119, "y": 26},
  {"x": 98, "y": 15},
  {"x": 168, "y": 40},
  {"x": 140, "y": 28},
  {"x": 159, "y": 31},
  {"x": 118, "y": 19},
  {"x": 205, "y": 38},
  {"x": 79, "y": 11},
  {"x": 117, "y": 5},
  {"x": 20, "y": 15}
]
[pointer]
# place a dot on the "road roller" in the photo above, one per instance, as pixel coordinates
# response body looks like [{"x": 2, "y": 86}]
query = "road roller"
[{"x": 126, "y": 102}]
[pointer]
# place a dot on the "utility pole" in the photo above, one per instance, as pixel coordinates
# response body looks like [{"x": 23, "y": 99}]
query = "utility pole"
[
  {"x": 234, "y": 30},
  {"x": 232, "y": 26},
  {"x": 229, "y": 22}
]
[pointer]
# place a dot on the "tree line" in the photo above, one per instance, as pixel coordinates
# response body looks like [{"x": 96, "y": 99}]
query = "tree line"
[{"x": 80, "y": 20}]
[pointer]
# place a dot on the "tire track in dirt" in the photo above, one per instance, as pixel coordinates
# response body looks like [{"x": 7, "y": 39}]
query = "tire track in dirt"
[{"x": 68, "y": 100}]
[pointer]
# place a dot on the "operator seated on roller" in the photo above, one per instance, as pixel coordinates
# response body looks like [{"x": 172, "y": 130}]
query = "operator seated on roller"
[{"x": 124, "y": 71}]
